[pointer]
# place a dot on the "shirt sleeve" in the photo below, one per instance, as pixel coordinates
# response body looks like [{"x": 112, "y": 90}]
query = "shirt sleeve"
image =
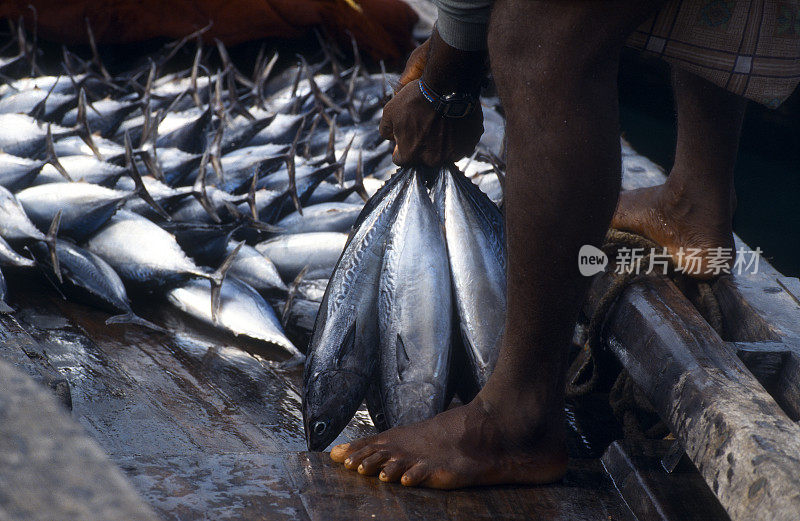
[{"x": 463, "y": 23}]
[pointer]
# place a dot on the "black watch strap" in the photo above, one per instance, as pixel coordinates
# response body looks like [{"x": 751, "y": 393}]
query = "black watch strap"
[{"x": 454, "y": 105}]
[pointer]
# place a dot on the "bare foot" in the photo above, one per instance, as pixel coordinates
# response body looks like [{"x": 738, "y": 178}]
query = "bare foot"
[
  {"x": 463, "y": 447},
  {"x": 694, "y": 228}
]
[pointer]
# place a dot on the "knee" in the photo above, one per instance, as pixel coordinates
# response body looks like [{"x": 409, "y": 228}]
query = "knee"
[{"x": 550, "y": 42}]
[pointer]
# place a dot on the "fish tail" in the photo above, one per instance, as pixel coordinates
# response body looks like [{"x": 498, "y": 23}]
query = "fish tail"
[
  {"x": 82, "y": 124},
  {"x": 141, "y": 189},
  {"x": 297, "y": 359},
  {"x": 200, "y": 192},
  {"x": 218, "y": 277},
  {"x": 292, "y": 292},
  {"x": 132, "y": 318},
  {"x": 52, "y": 158},
  {"x": 50, "y": 240}
]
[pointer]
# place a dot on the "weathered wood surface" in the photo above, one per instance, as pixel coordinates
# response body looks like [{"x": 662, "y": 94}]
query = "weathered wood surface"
[
  {"x": 308, "y": 486},
  {"x": 49, "y": 468},
  {"x": 760, "y": 307},
  {"x": 653, "y": 494},
  {"x": 207, "y": 427},
  {"x": 743, "y": 444}
]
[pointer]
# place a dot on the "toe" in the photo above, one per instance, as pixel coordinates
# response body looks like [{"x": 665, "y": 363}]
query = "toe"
[
  {"x": 354, "y": 460},
  {"x": 339, "y": 453},
  {"x": 370, "y": 465},
  {"x": 415, "y": 475},
  {"x": 392, "y": 470}
]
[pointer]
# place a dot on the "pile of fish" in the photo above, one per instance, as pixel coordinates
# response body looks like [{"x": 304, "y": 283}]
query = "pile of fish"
[
  {"x": 228, "y": 196},
  {"x": 414, "y": 310}
]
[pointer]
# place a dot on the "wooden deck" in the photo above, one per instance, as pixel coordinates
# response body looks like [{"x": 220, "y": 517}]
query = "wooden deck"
[
  {"x": 205, "y": 426},
  {"x": 204, "y": 429}
]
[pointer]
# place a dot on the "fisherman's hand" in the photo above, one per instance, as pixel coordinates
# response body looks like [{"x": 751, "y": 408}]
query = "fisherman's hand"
[{"x": 422, "y": 136}]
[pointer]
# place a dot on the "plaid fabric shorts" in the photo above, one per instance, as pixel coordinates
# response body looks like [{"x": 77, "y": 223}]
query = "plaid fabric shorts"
[{"x": 749, "y": 47}]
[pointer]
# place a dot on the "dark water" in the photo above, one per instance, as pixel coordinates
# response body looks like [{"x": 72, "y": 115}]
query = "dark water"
[{"x": 768, "y": 168}]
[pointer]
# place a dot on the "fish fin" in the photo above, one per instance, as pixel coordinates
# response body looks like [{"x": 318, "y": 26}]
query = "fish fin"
[
  {"x": 291, "y": 294},
  {"x": 52, "y": 158},
  {"x": 402, "y": 356},
  {"x": 84, "y": 131},
  {"x": 218, "y": 277},
  {"x": 347, "y": 346},
  {"x": 132, "y": 318},
  {"x": 141, "y": 189},
  {"x": 50, "y": 240}
]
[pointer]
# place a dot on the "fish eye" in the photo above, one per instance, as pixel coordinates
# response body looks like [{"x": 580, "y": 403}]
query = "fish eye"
[{"x": 319, "y": 428}]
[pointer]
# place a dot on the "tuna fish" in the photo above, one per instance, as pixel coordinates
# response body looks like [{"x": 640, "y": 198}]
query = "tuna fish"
[
  {"x": 342, "y": 354},
  {"x": 475, "y": 245}
]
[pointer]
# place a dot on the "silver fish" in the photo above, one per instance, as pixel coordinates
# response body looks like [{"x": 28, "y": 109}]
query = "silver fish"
[
  {"x": 81, "y": 168},
  {"x": 316, "y": 251},
  {"x": 414, "y": 312},
  {"x": 323, "y": 217},
  {"x": 242, "y": 312},
  {"x": 141, "y": 252},
  {"x": 23, "y": 136},
  {"x": 255, "y": 269},
  {"x": 476, "y": 248},
  {"x": 17, "y": 173},
  {"x": 95, "y": 279},
  {"x": 343, "y": 350},
  {"x": 85, "y": 207},
  {"x": 9, "y": 257}
]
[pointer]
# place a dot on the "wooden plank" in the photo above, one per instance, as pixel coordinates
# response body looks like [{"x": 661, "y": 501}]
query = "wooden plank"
[
  {"x": 650, "y": 492},
  {"x": 49, "y": 468},
  {"x": 331, "y": 493},
  {"x": 221, "y": 487},
  {"x": 746, "y": 448},
  {"x": 204, "y": 390},
  {"x": 308, "y": 486},
  {"x": 110, "y": 404},
  {"x": 758, "y": 305},
  {"x": 22, "y": 351}
]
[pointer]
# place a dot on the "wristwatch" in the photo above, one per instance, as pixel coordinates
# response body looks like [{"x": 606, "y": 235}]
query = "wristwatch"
[{"x": 454, "y": 105}]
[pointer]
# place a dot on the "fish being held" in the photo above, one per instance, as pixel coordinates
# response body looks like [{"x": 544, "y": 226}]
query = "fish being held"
[
  {"x": 414, "y": 312},
  {"x": 473, "y": 228},
  {"x": 342, "y": 354}
]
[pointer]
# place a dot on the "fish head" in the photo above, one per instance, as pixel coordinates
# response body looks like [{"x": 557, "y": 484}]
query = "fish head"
[{"x": 330, "y": 400}]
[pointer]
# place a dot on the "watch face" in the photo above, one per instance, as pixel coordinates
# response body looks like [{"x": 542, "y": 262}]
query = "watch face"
[{"x": 457, "y": 108}]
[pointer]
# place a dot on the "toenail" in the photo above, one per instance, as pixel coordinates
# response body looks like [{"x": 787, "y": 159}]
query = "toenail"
[
  {"x": 360, "y": 468},
  {"x": 348, "y": 461},
  {"x": 382, "y": 475}
]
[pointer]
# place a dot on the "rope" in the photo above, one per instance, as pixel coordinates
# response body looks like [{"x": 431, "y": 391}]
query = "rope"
[{"x": 637, "y": 416}]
